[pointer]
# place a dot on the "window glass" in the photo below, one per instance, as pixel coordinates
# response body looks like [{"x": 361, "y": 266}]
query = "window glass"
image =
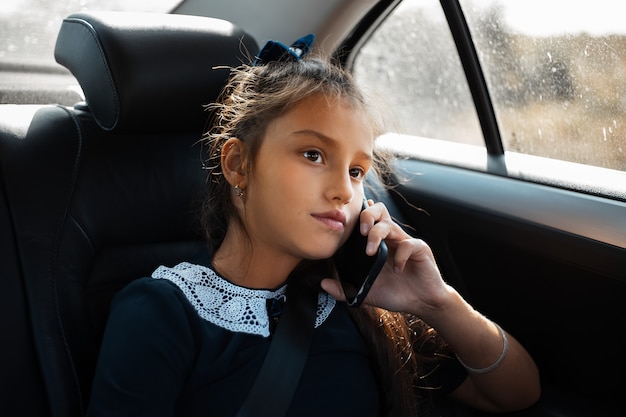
[
  {"x": 556, "y": 71},
  {"x": 29, "y": 28},
  {"x": 410, "y": 67}
]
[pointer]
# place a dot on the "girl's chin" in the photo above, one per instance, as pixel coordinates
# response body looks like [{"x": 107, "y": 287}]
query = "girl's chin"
[
  {"x": 315, "y": 250},
  {"x": 320, "y": 255}
]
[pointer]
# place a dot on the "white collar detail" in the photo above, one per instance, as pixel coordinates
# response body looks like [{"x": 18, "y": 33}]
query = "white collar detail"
[{"x": 230, "y": 306}]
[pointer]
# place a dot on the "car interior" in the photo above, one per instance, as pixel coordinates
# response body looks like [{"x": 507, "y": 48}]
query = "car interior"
[
  {"x": 100, "y": 194},
  {"x": 95, "y": 195}
]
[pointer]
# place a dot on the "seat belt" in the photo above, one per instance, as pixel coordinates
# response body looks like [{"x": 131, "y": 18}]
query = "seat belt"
[{"x": 282, "y": 367}]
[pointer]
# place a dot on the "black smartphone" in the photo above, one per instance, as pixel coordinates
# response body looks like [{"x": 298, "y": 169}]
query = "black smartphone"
[{"x": 355, "y": 268}]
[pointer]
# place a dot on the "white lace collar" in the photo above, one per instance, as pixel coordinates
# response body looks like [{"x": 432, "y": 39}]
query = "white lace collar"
[{"x": 227, "y": 305}]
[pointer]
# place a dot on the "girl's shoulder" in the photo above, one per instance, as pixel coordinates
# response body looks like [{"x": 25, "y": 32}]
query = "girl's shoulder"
[{"x": 151, "y": 299}]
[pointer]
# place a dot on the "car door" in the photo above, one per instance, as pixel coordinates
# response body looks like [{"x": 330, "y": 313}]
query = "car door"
[{"x": 509, "y": 125}]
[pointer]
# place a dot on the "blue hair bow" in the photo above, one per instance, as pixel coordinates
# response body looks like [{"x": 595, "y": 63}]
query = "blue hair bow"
[{"x": 278, "y": 51}]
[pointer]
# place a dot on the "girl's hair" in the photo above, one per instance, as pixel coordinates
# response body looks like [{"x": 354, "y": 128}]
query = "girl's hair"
[{"x": 255, "y": 96}]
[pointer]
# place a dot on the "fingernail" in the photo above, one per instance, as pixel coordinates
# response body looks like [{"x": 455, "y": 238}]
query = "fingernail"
[
  {"x": 364, "y": 228},
  {"x": 370, "y": 247}
]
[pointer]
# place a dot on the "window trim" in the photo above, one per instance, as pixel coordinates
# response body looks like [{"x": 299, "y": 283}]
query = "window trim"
[
  {"x": 474, "y": 75},
  {"x": 567, "y": 176},
  {"x": 597, "y": 218}
]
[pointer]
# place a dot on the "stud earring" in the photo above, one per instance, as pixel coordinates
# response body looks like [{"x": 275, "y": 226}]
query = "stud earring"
[{"x": 239, "y": 192}]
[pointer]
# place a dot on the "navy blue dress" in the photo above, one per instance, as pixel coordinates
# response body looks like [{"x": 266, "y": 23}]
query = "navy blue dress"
[{"x": 161, "y": 358}]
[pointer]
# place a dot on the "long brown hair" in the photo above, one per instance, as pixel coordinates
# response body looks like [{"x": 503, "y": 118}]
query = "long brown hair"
[{"x": 251, "y": 100}]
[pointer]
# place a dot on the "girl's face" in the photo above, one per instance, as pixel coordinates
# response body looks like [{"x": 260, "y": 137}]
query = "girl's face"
[{"x": 305, "y": 190}]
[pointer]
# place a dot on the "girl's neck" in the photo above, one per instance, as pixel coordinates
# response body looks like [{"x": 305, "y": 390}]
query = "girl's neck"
[{"x": 238, "y": 260}]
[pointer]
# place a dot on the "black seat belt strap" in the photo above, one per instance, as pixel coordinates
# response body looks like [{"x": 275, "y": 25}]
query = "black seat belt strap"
[{"x": 282, "y": 367}]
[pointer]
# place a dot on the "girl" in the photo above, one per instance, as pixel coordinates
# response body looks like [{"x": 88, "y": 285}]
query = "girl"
[{"x": 289, "y": 147}]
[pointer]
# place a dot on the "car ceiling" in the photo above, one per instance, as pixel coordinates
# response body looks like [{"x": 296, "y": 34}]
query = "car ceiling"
[{"x": 286, "y": 20}]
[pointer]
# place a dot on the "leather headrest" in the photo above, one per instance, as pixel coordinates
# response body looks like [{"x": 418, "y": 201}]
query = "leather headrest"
[{"x": 150, "y": 72}]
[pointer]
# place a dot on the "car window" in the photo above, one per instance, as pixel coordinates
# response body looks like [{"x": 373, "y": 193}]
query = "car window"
[
  {"x": 555, "y": 70},
  {"x": 410, "y": 67},
  {"x": 29, "y": 28}
]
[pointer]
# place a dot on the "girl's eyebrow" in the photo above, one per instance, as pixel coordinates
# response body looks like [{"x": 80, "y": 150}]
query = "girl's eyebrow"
[
  {"x": 330, "y": 141},
  {"x": 319, "y": 135}
]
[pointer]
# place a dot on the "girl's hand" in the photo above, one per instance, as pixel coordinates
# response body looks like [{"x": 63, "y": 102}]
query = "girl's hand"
[{"x": 410, "y": 280}]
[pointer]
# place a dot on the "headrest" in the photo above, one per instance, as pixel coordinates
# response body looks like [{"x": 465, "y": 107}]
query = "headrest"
[{"x": 150, "y": 72}]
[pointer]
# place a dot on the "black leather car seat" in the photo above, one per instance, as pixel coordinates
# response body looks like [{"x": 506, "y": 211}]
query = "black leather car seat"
[
  {"x": 21, "y": 383},
  {"x": 103, "y": 193}
]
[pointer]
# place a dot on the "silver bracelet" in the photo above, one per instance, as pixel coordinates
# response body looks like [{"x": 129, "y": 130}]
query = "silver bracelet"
[{"x": 505, "y": 349}]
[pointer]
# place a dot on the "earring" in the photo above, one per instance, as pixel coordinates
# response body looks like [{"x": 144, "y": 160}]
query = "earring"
[{"x": 239, "y": 192}]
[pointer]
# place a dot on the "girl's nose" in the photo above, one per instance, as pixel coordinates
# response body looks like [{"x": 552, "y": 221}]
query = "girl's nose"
[{"x": 341, "y": 188}]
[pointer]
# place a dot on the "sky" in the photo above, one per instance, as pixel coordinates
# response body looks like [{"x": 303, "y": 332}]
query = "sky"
[{"x": 548, "y": 17}]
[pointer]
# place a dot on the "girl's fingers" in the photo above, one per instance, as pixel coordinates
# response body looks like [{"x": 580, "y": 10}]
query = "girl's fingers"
[
  {"x": 375, "y": 213},
  {"x": 403, "y": 252},
  {"x": 377, "y": 224}
]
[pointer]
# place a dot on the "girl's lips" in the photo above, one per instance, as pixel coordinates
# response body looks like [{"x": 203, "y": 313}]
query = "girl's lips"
[{"x": 335, "y": 219}]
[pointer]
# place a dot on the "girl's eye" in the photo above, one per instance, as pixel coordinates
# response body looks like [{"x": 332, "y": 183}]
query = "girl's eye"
[
  {"x": 313, "y": 156},
  {"x": 357, "y": 173}
]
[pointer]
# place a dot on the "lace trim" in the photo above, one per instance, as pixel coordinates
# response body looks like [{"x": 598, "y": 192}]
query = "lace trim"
[{"x": 227, "y": 305}]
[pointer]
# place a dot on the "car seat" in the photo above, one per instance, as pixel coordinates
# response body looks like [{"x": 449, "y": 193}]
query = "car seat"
[
  {"x": 20, "y": 376},
  {"x": 103, "y": 193}
]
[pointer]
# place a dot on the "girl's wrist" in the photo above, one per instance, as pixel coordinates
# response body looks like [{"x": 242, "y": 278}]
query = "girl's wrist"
[
  {"x": 469, "y": 332},
  {"x": 438, "y": 305}
]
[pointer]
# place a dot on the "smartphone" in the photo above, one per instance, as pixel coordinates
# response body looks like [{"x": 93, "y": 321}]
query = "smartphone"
[{"x": 355, "y": 268}]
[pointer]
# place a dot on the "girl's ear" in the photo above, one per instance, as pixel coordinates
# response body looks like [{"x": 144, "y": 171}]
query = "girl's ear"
[{"x": 234, "y": 162}]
